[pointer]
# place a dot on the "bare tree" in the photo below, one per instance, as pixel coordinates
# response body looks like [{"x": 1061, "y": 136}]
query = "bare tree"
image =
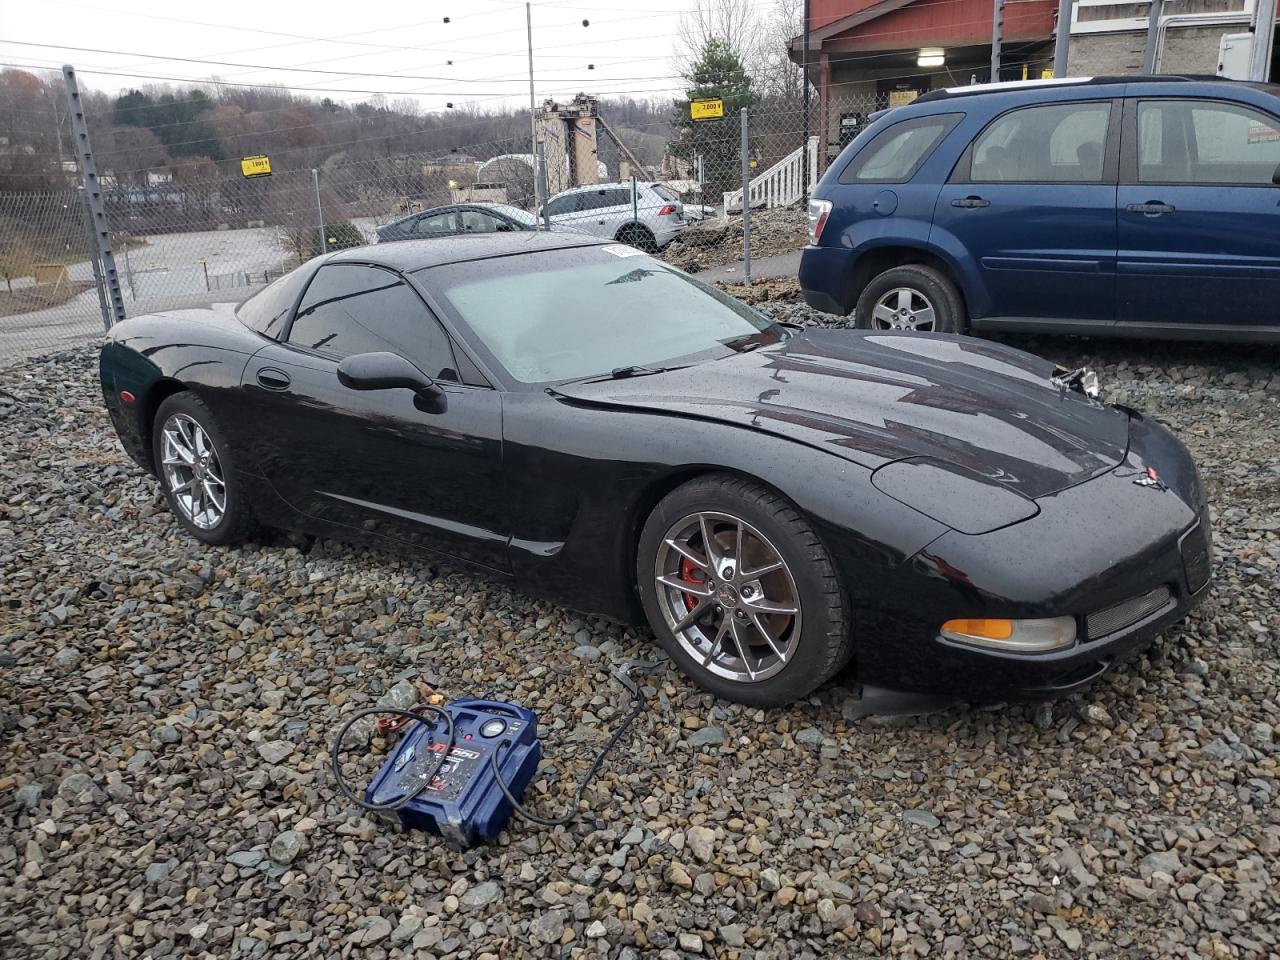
[{"x": 734, "y": 22}]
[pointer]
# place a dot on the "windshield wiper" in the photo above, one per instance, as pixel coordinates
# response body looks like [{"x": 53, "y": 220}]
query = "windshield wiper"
[{"x": 635, "y": 370}]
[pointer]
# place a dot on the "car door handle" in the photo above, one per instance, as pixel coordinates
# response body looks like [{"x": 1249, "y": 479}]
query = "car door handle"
[
  {"x": 1154, "y": 208},
  {"x": 970, "y": 202},
  {"x": 273, "y": 379}
]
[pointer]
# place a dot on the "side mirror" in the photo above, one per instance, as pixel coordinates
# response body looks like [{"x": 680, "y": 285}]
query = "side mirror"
[
  {"x": 385, "y": 371},
  {"x": 1275, "y": 177}
]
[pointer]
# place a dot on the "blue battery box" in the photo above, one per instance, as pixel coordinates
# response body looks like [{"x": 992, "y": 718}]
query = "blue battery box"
[{"x": 463, "y": 802}]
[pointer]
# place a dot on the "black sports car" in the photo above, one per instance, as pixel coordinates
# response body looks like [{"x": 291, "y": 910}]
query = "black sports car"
[{"x": 951, "y": 515}]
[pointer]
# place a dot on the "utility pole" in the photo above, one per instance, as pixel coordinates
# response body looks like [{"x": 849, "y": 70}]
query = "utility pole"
[
  {"x": 1062, "y": 39},
  {"x": 1264, "y": 35},
  {"x": 1153, "y": 36},
  {"x": 804, "y": 74},
  {"x": 93, "y": 195},
  {"x": 997, "y": 35},
  {"x": 539, "y": 199}
]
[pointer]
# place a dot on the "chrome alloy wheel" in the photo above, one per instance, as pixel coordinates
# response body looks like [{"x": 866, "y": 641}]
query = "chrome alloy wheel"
[
  {"x": 192, "y": 471},
  {"x": 903, "y": 308},
  {"x": 728, "y": 596}
]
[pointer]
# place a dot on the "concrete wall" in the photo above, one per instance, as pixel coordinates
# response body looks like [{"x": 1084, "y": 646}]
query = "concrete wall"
[{"x": 1186, "y": 50}]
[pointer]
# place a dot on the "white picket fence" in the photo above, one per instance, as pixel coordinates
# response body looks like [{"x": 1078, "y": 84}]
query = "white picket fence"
[{"x": 782, "y": 184}]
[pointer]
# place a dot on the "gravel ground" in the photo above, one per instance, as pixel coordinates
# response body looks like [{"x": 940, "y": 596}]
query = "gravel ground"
[{"x": 166, "y": 707}]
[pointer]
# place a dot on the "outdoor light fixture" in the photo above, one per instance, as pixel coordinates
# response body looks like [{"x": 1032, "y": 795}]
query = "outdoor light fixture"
[{"x": 931, "y": 57}]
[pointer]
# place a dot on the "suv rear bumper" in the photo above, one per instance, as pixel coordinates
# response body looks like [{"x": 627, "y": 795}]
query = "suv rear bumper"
[{"x": 826, "y": 279}]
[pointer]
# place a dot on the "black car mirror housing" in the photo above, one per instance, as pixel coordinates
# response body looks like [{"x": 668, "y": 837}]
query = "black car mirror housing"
[{"x": 385, "y": 371}]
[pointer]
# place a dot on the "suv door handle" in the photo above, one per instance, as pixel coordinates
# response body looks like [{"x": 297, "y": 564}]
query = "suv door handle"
[
  {"x": 971, "y": 202},
  {"x": 273, "y": 379},
  {"x": 1153, "y": 208}
]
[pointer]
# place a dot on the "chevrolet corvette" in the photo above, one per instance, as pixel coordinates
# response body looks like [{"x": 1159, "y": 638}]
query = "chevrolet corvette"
[{"x": 936, "y": 514}]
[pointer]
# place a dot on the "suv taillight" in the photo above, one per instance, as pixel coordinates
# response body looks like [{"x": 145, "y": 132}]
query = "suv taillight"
[
  {"x": 667, "y": 209},
  {"x": 818, "y": 212}
]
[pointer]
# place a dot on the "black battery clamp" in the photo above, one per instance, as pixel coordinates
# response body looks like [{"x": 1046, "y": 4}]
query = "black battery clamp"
[{"x": 461, "y": 769}]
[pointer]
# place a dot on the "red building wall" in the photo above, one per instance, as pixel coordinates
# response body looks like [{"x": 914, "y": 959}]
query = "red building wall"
[{"x": 935, "y": 23}]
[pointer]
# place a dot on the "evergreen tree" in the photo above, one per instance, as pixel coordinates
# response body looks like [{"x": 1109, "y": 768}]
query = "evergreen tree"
[{"x": 718, "y": 72}]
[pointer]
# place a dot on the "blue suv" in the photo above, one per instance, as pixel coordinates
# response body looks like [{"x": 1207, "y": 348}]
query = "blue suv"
[{"x": 1142, "y": 207}]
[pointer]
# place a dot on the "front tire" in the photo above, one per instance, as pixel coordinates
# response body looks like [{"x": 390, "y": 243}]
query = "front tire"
[
  {"x": 912, "y": 298},
  {"x": 759, "y": 618},
  {"x": 196, "y": 470}
]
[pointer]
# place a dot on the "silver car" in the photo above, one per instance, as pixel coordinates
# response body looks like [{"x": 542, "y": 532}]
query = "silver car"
[{"x": 607, "y": 210}]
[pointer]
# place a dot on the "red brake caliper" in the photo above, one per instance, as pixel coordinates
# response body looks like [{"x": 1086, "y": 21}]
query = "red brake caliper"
[{"x": 690, "y": 573}]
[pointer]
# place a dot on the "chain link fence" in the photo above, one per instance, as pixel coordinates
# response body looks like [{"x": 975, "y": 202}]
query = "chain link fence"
[{"x": 191, "y": 235}]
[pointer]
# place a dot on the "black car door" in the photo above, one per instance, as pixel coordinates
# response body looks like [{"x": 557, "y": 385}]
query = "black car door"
[{"x": 381, "y": 461}]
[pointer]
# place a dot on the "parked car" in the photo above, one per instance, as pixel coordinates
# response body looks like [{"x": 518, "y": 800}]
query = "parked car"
[
  {"x": 1142, "y": 207},
  {"x": 605, "y": 210},
  {"x": 949, "y": 515},
  {"x": 458, "y": 219}
]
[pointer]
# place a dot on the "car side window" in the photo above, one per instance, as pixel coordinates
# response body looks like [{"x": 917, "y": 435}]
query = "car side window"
[
  {"x": 897, "y": 152},
  {"x": 621, "y": 197},
  {"x": 1052, "y": 143},
  {"x": 352, "y": 308},
  {"x": 474, "y": 221},
  {"x": 435, "y": 225},
  {"x": 1208, "y": 142}
]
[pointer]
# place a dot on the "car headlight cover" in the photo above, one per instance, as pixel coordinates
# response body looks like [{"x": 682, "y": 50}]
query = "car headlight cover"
[{"x": 1019, "y": 636}]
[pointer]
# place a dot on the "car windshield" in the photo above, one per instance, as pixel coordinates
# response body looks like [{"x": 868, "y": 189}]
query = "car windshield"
[{"x": 572, "y": 314}]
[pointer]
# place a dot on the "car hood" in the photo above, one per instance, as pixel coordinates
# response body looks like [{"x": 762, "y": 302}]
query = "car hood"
[{"x": 987, "y": 411}]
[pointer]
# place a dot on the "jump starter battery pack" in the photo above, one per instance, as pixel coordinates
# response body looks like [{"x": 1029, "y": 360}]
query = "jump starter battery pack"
[{"x": 463, "y": 802}]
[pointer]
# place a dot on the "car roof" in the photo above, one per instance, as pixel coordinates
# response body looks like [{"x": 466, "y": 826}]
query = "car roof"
[
  {"x": 409, "y": 255},
  {"x": 1031, "y": 86},
  {"x": 611, "y": 183}
]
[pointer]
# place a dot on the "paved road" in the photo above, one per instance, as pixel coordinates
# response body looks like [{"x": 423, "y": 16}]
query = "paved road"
[
  {"x": 780, "y": 265},
  {"x": 166, "y": 274}
]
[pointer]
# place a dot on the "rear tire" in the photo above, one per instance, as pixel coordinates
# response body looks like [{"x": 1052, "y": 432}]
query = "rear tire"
[
  {"x": 638, "y": 236},
  {"x": 912, "y": 297},
  {"x": 761, "y": 618},
  {"x": 197, "y": 472}
]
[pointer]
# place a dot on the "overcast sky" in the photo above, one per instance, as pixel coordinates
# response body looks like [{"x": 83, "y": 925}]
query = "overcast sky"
[{"x": 630, "y": 43}]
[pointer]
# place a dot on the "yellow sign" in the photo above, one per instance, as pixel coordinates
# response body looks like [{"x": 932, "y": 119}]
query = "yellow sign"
[
  {"x": 706, "y": 109},
  {"x": 259, "y": 166}
]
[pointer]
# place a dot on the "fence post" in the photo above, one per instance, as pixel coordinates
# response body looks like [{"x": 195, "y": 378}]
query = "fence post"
[
  {"x": 324, "y": 243},
  {"x": 540, "y": 181},
  {"x": 109, "y": 293},
  {"x": 746, "y": 199},
  {"x": 997, "y": 38},
  {"x": 87, "y": 216}
]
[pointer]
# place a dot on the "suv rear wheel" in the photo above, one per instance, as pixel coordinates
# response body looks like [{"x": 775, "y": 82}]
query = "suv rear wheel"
[
  {"x": 911, "y": 297},
  {"x": 638, "y": 236}
]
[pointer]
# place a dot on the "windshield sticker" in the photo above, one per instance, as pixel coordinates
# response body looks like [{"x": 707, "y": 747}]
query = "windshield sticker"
[{"x": 622, "y": 250}]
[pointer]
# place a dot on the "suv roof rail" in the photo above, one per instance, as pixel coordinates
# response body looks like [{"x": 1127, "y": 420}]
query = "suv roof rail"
[{"x": 976, "y": 89}]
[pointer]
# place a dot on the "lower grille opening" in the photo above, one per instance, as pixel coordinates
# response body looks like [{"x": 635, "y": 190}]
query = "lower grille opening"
[{"x": 1127, "y": 612}]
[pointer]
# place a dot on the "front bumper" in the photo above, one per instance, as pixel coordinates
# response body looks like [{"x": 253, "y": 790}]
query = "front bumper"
[{"x": 1102, "y": 552}]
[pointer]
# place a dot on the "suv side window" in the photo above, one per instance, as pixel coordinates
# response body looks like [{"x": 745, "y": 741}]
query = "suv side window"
[
  {"x": 897, "y": 152},
  {"x": 1052, "y": 143},
  {"x": 351, "y": 308},
  {"x": 620, "y": 196},
  {"x": 565, "y": 204},
  {"x": 1203, "y": 141}
]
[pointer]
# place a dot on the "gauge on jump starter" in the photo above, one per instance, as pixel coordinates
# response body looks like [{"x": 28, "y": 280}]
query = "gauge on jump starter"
[{"x": 493, "y": 728}]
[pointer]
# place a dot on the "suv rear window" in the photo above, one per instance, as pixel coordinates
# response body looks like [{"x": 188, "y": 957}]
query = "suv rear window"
[{"x": 896, "y": 153}]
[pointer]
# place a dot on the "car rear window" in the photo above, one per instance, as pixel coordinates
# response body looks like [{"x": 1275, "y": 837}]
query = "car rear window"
[
  {"x": 665, "y": 192},
  {"x": 896, "y": 153},
  {"x": 267, "y": 310}
]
